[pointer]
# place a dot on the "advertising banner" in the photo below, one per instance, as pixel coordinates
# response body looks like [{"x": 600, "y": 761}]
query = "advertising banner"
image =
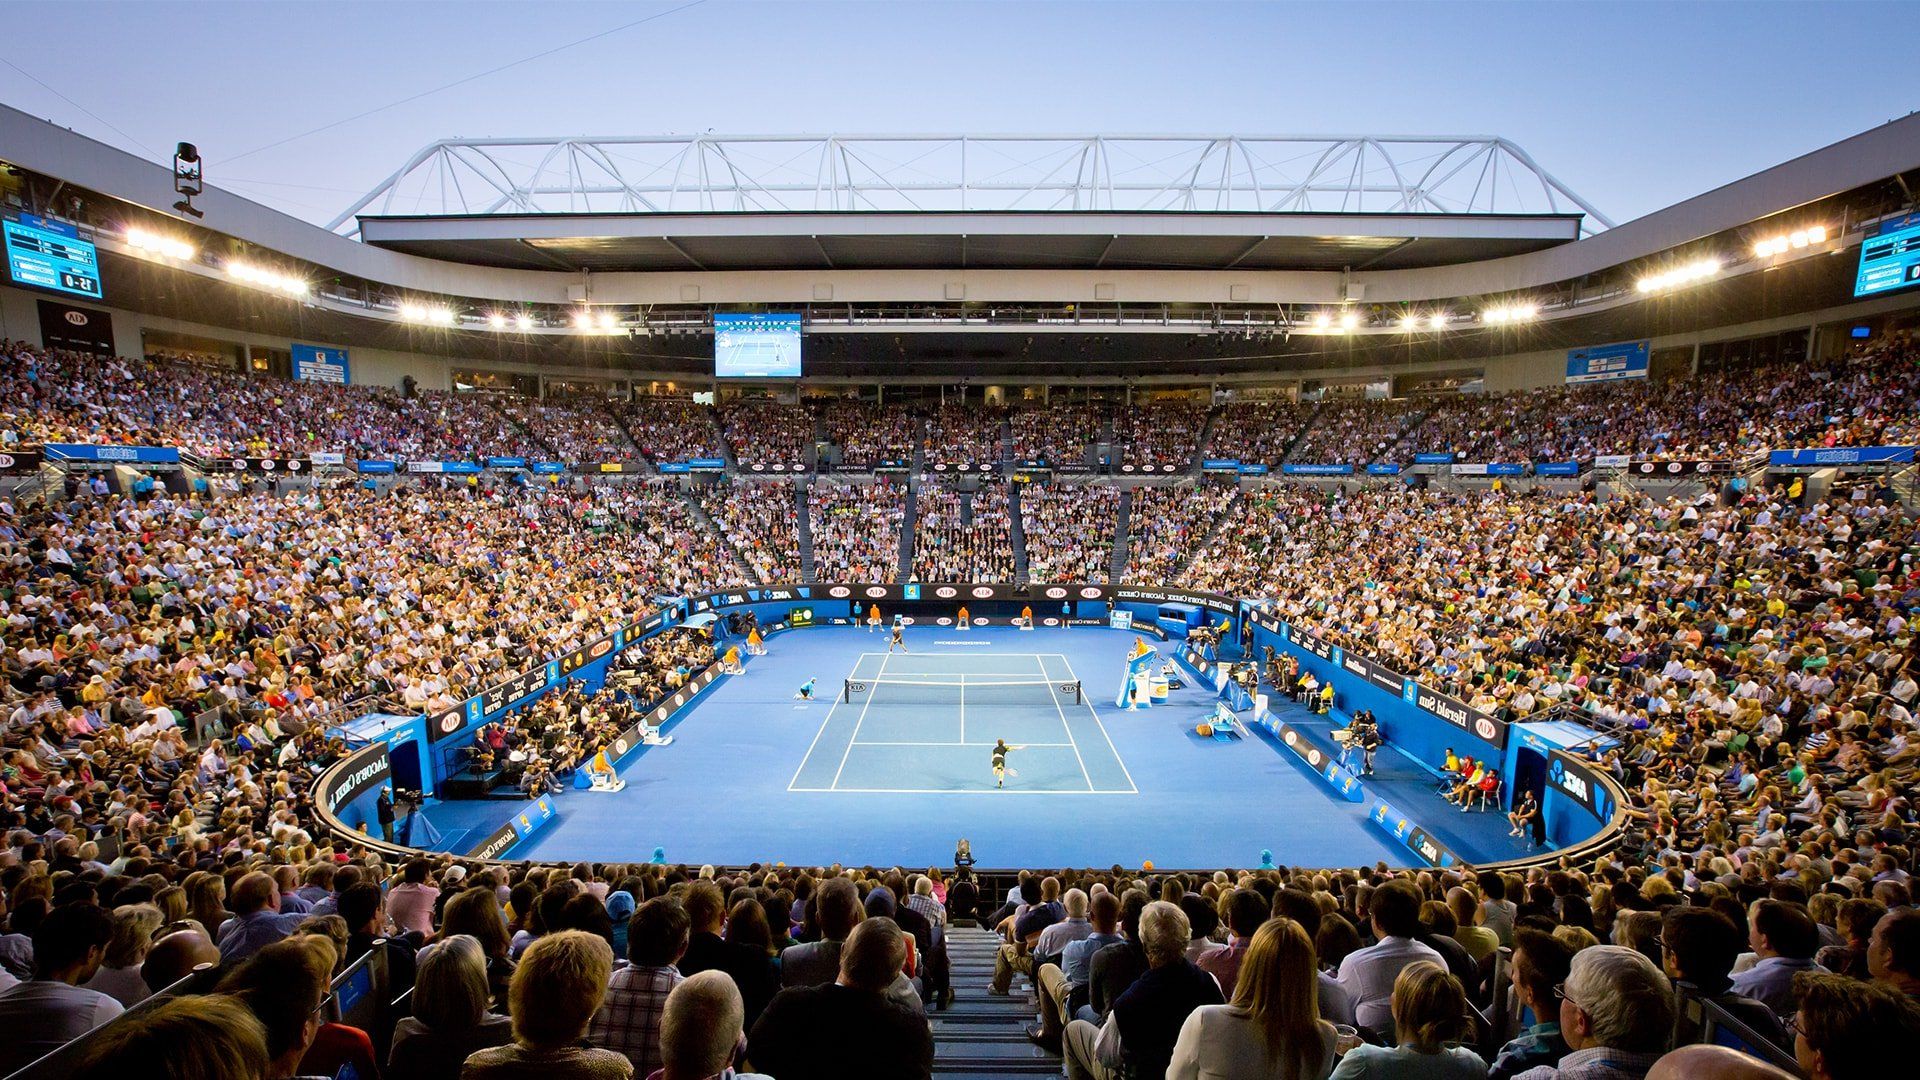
[
  {"x": 1455, "y": 712},
  {"x": 962, "y": 467},
  {"x": 1433, "y": 459},
  {"x": 21, "y": 461},
  {"x": 112, "y": 455},
  {"x": 1300, "y": 469},
  {"x": 1231, "y": 465},
  {"x": 362, "y": 772},
  {"x": 1253, "y": 469},
  {"x": 1323, "y": 760},
  {"x": 1416, "y": 839},
  {"x": 1383, "y": 468},
  {"x": 1843, "y": 455},
  {"x": 1574, "y": 779},
  {"x": 268, "y": 466},
  {"x": 76, "y": 329},
  {"x": 506, "y": 463},
  {"x": 1680, "y": 468},
  {"x": 1605, "y": 363},
  {"x": 1556, "y": 468},
  {"x": 366, "y": 466}
]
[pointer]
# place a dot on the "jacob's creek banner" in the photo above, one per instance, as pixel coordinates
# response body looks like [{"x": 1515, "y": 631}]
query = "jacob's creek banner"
[
  {"x": 359, "y": 775},
  {"x": 526, "y": 821}
]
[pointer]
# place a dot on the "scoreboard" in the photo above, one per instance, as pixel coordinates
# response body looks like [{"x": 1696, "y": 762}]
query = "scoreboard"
[
  {"x": 50, "y": 255},
  {"x": 1890, "y": 260}
]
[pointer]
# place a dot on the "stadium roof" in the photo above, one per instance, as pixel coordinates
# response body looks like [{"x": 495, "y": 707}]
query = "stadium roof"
[{"x": 898, "y": 202}]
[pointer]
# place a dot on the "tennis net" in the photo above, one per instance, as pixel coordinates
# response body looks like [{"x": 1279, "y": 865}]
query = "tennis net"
[{"x": 977, "y": 692}]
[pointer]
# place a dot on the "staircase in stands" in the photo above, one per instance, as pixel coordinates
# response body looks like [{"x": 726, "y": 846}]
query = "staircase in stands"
[
  {"x": 803, "y": 530},
  {"x": 1122, "y": 537},
  {"x": 981, "y": 1037},
  {"x": 906, "y": 532},
  {"x": 1017, "y": 537}
]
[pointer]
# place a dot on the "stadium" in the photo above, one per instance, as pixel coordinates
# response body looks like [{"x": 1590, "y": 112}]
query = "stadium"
[{"x": 958, "y": 604}]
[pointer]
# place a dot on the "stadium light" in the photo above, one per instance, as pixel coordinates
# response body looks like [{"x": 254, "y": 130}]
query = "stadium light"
[
  {"x": 165, "y": 247},
  {"x": 583, "y": 320},
  {"x": 1322, "y": 320},
  {"x": 413, "y": 312},
  {"x": 1797, "y": 239},
  {"x": 1409, "y": 322},
  {"x": 523, "y": 321},
  {"x": 440, "y": 316},
  {"x": 1350, "y": 320},
  {"x": 606, "y": 320},
  {"x": 1437, "y": 321},
  {"x": 1512, "y": 313},
  {"x": 1688, "y": 274},
  {"x": 496, "y": 320},
  {"x": 271, "y": 280}
]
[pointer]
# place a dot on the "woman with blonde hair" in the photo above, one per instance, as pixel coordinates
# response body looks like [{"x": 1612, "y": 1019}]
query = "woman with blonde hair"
[
  {"x": 1272, "y": 1028},
  {"x": 1429, "y": 1011},
  {"x": 119, "y": 975}
]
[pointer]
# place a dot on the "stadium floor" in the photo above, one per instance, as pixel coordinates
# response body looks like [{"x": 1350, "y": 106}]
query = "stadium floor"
[{"x": 899, "y": 773}]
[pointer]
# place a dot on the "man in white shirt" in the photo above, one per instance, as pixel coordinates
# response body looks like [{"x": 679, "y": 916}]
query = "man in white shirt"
[
  {"x": 1367, "y": 976},
  {"x": 53, "y": 1009}
]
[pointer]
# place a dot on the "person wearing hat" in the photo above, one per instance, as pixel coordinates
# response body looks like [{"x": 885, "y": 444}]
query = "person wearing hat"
[{"x": 620, "y": 906}]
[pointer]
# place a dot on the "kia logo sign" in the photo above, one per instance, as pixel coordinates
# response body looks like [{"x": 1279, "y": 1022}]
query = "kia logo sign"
[
  {"x": 294, "y": 465},
  {"x": 239, "y": 464},
  {"x": 1485, "y": 729},
  {"x": 877, "y": 591},
  {"x": 1313, "y": 756},
  {"x": 1289, "y": 738},
  {"x": 944, "y": 621},
  {"x": 840, "y": 591},
  {"x": 619, "y": 747},
  {"x": 6, "y": 461},
  {"x": 1091, "y": 592},
  {"x": 450, "y": 721},
  {"x": 940, "y": 467},
  {"x": 266, "y": 465},
  {"x": 982, "y": 591},
  {"x": 1056, "y": 593},
  {"x": 979, "y": 622},
  {"x": 1052, "y": 622},
  {"x": 946, "y": 592},
  {"x": 779, "y": 468},
  {"x": 76, "y": 318}
]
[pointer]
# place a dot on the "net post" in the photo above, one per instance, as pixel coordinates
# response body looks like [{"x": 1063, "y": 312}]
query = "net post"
[{"x": 846, "y": 691}]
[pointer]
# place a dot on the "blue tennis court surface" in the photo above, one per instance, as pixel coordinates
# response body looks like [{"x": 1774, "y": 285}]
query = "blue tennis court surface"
[{"x": 901, "y": 770}]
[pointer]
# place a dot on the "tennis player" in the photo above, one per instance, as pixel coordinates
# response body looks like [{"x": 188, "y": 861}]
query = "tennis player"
[
  {"x": 1000, "y": 770},
  {"x": 899, "y": 635},
  {"x": 806, "y": 690}
]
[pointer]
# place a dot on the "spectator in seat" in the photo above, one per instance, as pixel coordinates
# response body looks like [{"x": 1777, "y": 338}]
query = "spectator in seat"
[
  {"x": 1616, "y": 1013},
  {"x": 852, "y": 1026},
  {"x": 1368, "y": 976},
  {"x": 557, "y": 987},
  {"x": 700, "y": 1033},
  {"x": 1856, "y": 920},
  {"x": 1540, "y": 963},
  {"x": 1700, "y": 947},
  {"x": 1272, "y": 1029},
  {"x": 1139, "y": 1033},
  {"x": 175, "y": 956},
  {"x": 1297, "y": 904},
  {"x": 283, "y": 984},
  {"x": 410, "y": 904},
  {"x": 1247, "y": 911},
  {"x": 629, "y": 1021},
  {"x": 362, "y": 907},
  {"x": 53, "y": 1008},
  {"x": 1851, "y": 1030},
  {"x": 1062, "y": 983},
  {"x": 1893, "y": 954},
  {"x": 119, "y": 974},
  {"x": 1784, "y": 937},
  {"x": 1429, "y": 1011},
  {"x": 817, "y": 963},
  {"x": 206, "y": 1037},
  {"x": 1708, "y": 1062},
  {"x": 1114, "y": 968},
  {"x": 750, "y": 967},
  {"x": 451, "y": 1019},
  {"x": 257, "y": 920}
]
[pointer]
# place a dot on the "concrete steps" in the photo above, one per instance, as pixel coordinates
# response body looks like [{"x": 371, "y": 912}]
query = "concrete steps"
[{"x": 979, "y": 1036}]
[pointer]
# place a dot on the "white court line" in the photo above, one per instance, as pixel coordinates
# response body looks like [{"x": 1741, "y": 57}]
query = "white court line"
[
  {"x": 963, "y": 708},
  {"x": 824, "y": 727},
  {"x": 1064, "y": 726},
  {"x": 871, "y": 742},
  {"x": 963, "y": 791},
  {"x": 1088, "y": 702},
  {"x": 864, "y": 706}
]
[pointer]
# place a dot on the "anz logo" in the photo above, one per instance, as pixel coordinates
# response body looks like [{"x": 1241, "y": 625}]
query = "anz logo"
[{"x": 1570, "y": 783}]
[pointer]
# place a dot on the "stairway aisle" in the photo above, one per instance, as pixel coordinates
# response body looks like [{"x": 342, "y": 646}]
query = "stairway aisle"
[
  {"x": 907, "y": 501},
  {"x": 981, "y": 1037},
  {"x": 1122, "y": 537},
  {"x": 803, "y": 530},
  {"x": 1017, "y": 536}
]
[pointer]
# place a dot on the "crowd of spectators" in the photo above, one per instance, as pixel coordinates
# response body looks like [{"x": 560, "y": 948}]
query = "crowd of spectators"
[
  {"x": 856, "y": 530},
  {"x": 962, "y": 536},
  {"x": 1167, "y": 524},
  {"x": 768, "y": 432},
  {"x": 1346, "y": 431},
  {"x": 964, "y": 435},
  {"x": 1159, "y": 434},
  {"x": 762, "y": 522},
  {"x": 1057, "y": 434},
  {"x": 1258, "y": 432},
  {"x": 672, "y": 429},
  {"x": 868, "y": 434},
  {"x": 573, "y": 430},
  {"x": 1069, "y": 531}
]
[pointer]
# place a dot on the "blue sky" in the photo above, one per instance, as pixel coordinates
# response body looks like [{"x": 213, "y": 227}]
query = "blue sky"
[{"x": 1633, "y": 105}]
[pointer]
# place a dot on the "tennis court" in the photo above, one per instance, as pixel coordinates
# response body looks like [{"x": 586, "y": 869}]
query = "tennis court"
[{"x": 910, "y": 724}]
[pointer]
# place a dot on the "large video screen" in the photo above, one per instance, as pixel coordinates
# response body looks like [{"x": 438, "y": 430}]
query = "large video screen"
[
  {"x": 756, "y": 346},
  {"x": 50, "y": 255},
  {"x": 1889, "y": 261}
]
